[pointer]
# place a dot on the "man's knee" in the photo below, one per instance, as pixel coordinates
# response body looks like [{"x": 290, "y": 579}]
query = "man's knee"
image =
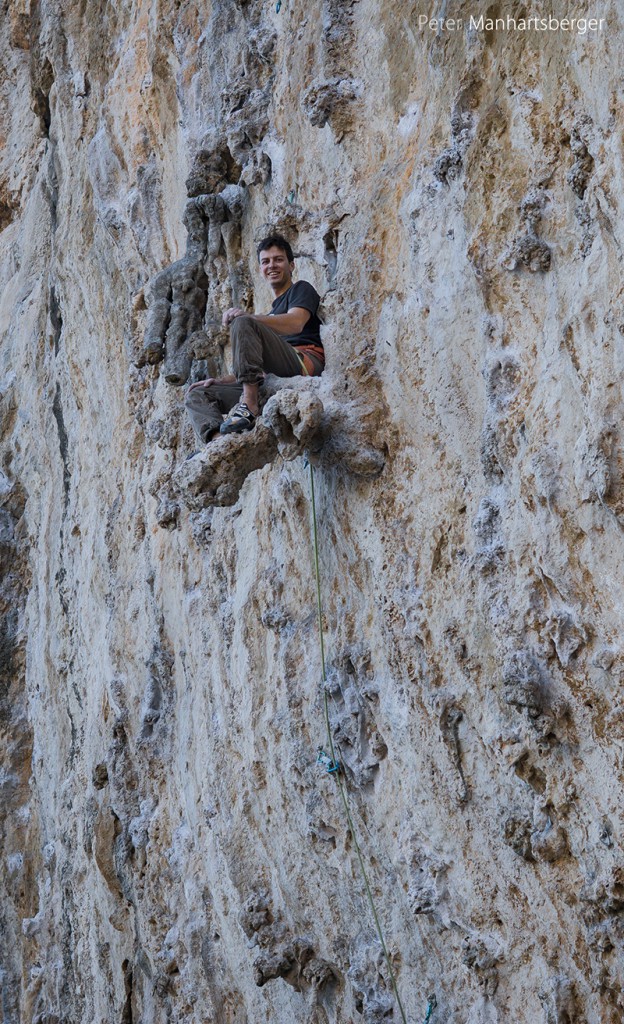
[
  {"x": 197, "y": 397},
  {"x": 240, "y": 324}
]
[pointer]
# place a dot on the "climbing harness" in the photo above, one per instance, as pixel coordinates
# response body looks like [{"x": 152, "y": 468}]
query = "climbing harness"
[
  {"x": 304, "y": 370},
  {"x": 334, "y": 761}
]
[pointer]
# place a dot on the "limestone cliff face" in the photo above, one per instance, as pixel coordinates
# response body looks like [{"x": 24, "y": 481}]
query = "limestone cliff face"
[{"x": 169, "y": 851}]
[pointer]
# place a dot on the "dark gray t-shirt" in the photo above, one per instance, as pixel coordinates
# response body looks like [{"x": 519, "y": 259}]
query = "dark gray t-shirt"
[{"x": 303, "y": 295}]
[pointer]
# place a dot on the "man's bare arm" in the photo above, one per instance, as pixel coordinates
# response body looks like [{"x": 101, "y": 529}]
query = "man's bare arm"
[{"x": 291, "y": 322}]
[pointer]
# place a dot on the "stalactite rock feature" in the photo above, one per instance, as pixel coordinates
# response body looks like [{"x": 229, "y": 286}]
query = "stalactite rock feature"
[
  {"x": 293, "y": 423},
  {"x": 177, "y": 298},
  {"x": 215, "y": 476}
]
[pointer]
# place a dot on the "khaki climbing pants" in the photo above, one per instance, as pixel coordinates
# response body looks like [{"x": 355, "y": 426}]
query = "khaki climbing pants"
[{"x": 256, "y": 350}]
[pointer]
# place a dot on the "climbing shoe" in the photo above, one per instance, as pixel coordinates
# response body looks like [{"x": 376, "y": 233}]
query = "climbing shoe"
[{"x": 240, "y": 419}]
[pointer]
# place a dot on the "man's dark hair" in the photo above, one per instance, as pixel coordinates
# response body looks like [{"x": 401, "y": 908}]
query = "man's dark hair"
[{"x": 279, "y": 242}]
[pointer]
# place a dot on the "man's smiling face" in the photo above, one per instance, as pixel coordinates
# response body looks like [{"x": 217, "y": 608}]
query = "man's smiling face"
[{"x": 276, "y": 269}]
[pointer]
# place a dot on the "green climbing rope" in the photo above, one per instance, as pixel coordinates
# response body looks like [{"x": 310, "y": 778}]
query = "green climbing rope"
[{"x": 337, "y": 775}]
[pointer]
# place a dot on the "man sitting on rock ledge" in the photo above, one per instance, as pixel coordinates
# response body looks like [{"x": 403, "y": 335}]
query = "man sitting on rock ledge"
[{"x": 287, "y": 342}]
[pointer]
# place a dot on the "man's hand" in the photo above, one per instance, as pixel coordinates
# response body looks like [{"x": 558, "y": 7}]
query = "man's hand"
[
  {"x": 230, "y": 379},
  {"x": 203, "y": 383},
  {"x": 231, "y": 314}
]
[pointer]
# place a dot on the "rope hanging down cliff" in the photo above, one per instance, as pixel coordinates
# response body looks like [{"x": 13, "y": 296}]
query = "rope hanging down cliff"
[{"x": 334, "y": 767}]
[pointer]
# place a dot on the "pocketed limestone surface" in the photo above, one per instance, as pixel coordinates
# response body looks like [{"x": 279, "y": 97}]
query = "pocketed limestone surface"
[{"x": 169, "y": 849}]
